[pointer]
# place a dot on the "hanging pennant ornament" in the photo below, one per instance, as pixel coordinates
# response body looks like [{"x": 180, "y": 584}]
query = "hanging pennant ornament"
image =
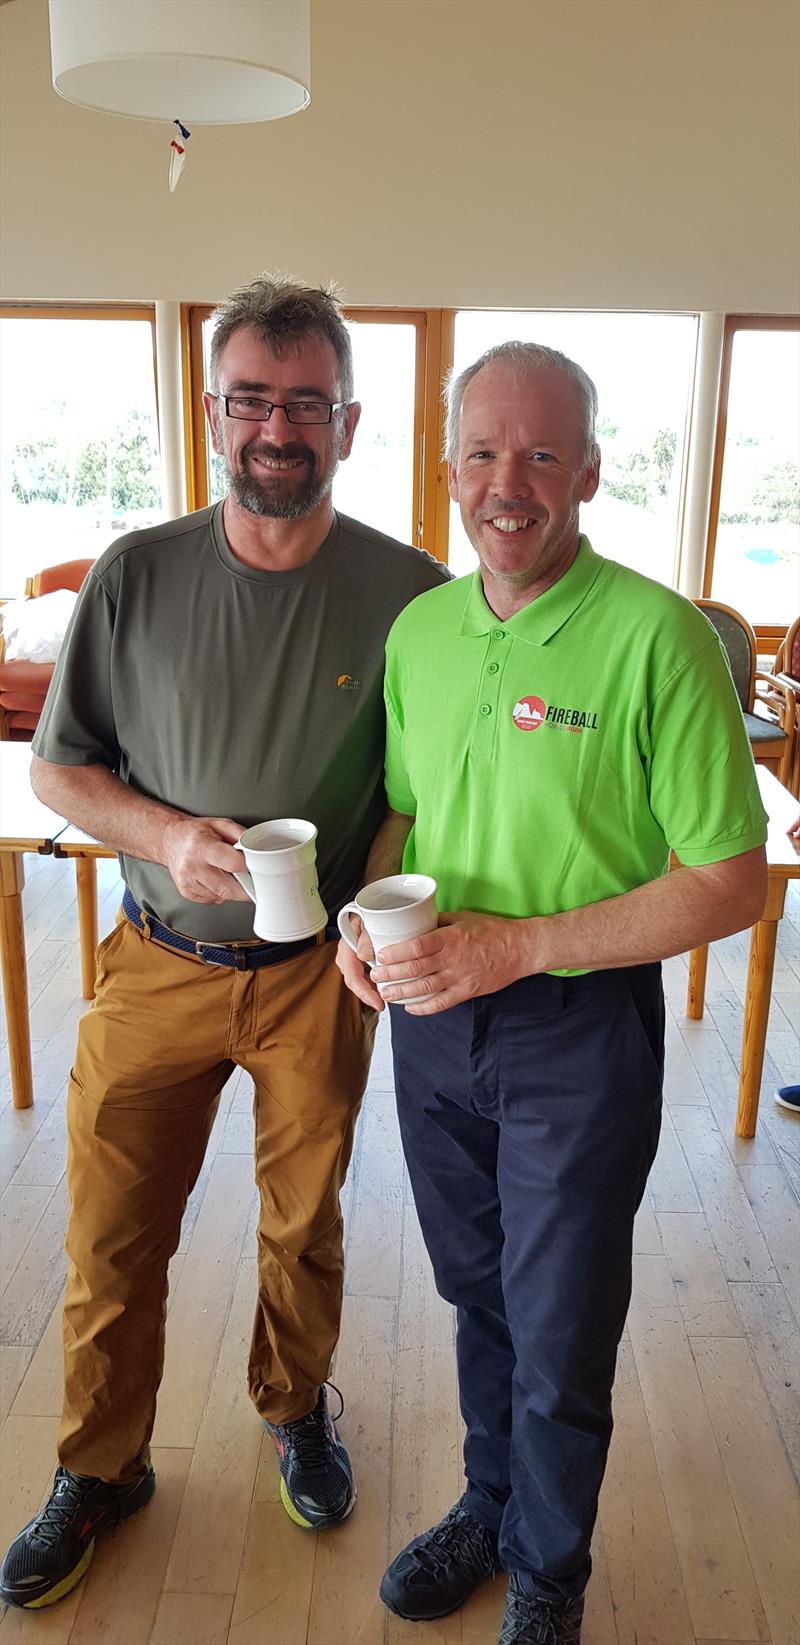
[{"x": 177, "y": 155}]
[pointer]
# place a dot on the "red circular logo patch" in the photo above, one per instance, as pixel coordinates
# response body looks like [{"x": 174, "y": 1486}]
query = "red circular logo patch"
[{"x": 529, "y": 713}]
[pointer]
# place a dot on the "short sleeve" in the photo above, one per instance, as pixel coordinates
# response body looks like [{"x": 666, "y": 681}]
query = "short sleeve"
[
  {"x": 77, "y": 723},
  {"x": 703, "y": 788},
  {"x": 398, "y": 788}
]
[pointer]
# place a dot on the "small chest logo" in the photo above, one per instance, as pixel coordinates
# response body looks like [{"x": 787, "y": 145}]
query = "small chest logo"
[
  {"x": 346, "y": 682},
  {"x": 529, "y": 713}
]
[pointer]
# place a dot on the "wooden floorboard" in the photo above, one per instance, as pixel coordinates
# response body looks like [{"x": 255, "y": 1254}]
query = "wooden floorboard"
[{"x": 698, "y": 1535}]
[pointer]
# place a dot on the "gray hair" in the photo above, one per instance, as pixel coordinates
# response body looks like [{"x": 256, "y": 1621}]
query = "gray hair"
[
  {"x": 284, "y": 311},
  {"x": 521, "y": 357}
]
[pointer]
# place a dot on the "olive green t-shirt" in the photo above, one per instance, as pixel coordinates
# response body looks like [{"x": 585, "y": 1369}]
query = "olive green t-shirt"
[
  {"x": 231, "y": 692},
  {"x": 551, "y": 761}
]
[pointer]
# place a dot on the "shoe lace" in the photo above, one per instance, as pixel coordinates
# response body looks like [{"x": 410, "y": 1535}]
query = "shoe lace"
[
  {"x": 539, "y": 1621},
  {"x": 310, "y": 1435},
  {"x": 66, "y": 1499},
  {"x": 461, "y": 1538}
]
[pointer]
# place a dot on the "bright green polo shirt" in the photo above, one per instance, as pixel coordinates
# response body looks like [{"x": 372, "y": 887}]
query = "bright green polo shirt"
[{"x": 552, "y": 760}]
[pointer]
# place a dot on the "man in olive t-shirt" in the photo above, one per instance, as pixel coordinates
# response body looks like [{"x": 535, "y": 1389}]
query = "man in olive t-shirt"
[
  {"x": 584, "y": 723},
  {"x": 219, "y": 670}
]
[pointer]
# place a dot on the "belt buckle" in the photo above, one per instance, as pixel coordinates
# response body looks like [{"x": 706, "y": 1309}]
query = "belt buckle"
[{"x": 200, "y": 950}]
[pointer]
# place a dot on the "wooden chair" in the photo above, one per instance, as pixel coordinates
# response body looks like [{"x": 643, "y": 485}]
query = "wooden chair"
[
  {"x": 768, "y": 715},
  {"x": 781, "y": 690},
  {"x": 23, "y": 685}
]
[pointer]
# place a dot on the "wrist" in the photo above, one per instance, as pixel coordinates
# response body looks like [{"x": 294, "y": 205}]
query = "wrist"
[
  {"x": 170, "y": 823},
  {"x": 532, "y": 946}
]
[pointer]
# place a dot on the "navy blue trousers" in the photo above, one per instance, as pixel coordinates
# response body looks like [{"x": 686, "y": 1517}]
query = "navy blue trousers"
[{"x": 530, "y": 1120}]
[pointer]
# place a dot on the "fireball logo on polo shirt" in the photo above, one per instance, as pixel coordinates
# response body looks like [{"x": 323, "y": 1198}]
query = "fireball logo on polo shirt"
[{"x": 529, "y": 713}]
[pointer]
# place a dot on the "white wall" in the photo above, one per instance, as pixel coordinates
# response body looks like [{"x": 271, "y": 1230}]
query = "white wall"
[{"x": 508, "y": 153}]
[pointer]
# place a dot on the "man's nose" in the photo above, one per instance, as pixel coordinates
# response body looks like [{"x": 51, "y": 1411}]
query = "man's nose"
[{"x": 512, "y": 477}]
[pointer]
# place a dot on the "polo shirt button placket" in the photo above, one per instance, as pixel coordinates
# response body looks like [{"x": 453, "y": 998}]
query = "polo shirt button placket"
[{"x": 483, "y": 740}]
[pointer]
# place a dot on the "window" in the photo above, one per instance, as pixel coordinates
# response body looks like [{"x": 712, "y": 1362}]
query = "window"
[
  {"x": 753, "y": 560},
  {"x": 643, "y": 367},
  {"x": 79, "y": 451}
]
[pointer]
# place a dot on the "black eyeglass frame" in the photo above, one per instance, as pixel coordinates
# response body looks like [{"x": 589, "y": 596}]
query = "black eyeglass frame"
[{"x": 285, "y": 406}]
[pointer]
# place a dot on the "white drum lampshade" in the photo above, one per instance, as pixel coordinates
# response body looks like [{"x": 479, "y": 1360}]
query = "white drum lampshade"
[{"x": 206, "y": 62}]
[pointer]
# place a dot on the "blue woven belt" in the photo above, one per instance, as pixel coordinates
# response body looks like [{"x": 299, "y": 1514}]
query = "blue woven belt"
[{"x": 248, "y": 957}]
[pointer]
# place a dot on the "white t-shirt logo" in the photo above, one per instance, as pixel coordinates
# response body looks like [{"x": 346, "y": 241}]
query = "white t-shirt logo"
[{"x": 529, "y": 713}]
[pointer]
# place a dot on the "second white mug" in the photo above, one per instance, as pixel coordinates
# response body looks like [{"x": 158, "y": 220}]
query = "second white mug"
[{"x": 392, "y": 910}]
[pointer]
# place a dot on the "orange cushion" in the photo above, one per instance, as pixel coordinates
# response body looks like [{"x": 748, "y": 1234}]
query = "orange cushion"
[
  {"x": 23, "y": 702},
  {"x": 21, "y": 675},
  {"x": 22, "y": 726}
]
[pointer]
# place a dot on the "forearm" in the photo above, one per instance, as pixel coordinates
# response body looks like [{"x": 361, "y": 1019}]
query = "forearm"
[
  {"x": 386, "y": 852},
  {"x": 92, "y": 798},
  {"x": 684, "y": 910}
]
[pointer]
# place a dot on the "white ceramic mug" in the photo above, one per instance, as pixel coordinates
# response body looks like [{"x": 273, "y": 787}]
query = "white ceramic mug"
[
  {"x": 394, "y": 909},
  {"x": 281, "y": 879}
]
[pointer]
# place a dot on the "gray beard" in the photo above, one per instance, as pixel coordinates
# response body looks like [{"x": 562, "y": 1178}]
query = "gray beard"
[{"x": 275, "y": 500}]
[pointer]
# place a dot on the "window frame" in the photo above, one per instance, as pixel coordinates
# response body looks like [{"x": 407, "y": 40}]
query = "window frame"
[
  {"x": 434, "y": 330},
  {"x": 768, "y": 635}
]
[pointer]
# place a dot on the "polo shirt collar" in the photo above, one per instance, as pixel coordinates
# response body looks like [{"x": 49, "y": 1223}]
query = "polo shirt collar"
[{"x": 538, "y": 622}]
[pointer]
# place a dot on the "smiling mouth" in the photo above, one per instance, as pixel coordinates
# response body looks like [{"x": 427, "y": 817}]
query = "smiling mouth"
[
  {"x": 279, "y": 465},
  {"x": 509, "y": 523}
]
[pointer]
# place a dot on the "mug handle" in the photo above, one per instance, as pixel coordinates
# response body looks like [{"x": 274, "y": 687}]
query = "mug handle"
[
  {"x": 345, "y": 925},
  {"x": 246, "y": 882}
]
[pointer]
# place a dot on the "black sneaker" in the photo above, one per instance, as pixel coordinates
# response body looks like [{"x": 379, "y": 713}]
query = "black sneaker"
[
  {"x": 530, "y": 1621},
  {"x": 441, "y": 1568},
  {"x": 317, "y": 1487},
  {"x": 51, "y": 1555}
]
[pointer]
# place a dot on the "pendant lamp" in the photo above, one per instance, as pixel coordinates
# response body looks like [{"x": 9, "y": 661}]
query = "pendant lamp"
[{"x": 190, "y": 62}]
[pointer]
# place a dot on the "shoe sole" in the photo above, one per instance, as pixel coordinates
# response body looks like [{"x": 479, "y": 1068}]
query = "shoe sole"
[
  {"x": 73, "y": 1577},
  {"x": 309, "y": 1524},
  {"x": 792, "y": 1107}
]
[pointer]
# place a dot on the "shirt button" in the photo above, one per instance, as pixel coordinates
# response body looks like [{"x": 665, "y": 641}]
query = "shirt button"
[
  {"x": 493, "y": 667},
  {"x": 485, "y": 709},
  {"x": 498, "y": 633}
]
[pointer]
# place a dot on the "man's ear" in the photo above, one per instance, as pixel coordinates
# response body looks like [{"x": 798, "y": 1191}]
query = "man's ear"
[
  {"x": 352, "y": 417},
  {"x": 211, "y": 409},
  {"x": 452, "y": 481},
  {"x": 591, "y": 477}
]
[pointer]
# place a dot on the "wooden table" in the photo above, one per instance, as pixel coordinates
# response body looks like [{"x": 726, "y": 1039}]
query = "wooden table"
[
  {"x": 783, "y": 861},
  {"x": 72, "y": 842},
  {"x": 25, "y": 825}
]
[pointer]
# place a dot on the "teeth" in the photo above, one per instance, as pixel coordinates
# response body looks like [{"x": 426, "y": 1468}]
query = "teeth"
[
  {"x": 274, "y": 462},
  {"x": 507, "y": 523}
]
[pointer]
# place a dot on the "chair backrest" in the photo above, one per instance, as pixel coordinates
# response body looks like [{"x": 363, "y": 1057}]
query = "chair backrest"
[
  {"x": 739, "y": 641},
  {"x": 68, "y": 574},
  {"x": 23, "y": 685},
  {"x": 787, "y": 656}
]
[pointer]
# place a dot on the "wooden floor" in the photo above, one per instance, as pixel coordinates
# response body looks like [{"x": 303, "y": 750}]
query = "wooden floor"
[{"x": 698, "y": 1530}]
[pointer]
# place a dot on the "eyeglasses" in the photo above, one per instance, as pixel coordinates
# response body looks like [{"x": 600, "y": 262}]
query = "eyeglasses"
[{"x": 248, "y": 408}]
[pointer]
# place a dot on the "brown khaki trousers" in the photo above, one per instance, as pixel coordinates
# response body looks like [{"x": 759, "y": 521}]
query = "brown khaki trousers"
[{"x": 154, "y": 1051}]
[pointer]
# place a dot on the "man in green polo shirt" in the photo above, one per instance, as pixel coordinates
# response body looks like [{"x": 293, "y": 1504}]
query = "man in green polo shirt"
[{"x": 556, "y": 723}]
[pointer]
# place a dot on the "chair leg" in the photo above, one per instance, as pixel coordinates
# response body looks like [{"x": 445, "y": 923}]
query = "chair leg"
[{"x": 86, "y": 875}]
